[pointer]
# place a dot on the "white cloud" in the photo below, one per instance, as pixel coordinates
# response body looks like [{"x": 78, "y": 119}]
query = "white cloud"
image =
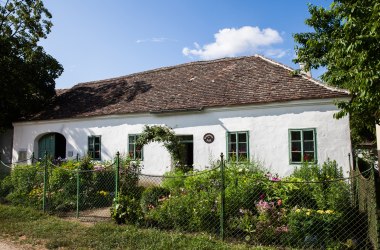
[
  {"x": 276, "y": 53},
  {"x": 156, "y": 40},
  {"x": 233, "y": 42}
]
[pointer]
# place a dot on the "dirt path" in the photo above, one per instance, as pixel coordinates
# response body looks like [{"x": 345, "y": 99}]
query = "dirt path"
[{"x": 8, "y": 244}]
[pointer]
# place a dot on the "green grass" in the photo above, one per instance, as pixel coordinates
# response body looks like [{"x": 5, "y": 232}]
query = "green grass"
[{"x": 28, "y": 226}]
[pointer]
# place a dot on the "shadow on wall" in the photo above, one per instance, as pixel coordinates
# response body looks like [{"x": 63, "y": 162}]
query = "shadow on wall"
[{"x": 6, "y": 145}]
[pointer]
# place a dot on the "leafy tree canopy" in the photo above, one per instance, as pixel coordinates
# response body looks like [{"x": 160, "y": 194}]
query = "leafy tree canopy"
[
  {"x": 346, "y": 40},
  {"x": 27, "y": 72}
]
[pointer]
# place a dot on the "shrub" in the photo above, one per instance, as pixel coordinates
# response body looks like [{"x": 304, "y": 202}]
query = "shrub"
[
  {"x": 174, "y": 181},
  {"x": 126, "y": 209},
  {"x": 313, "y": 228},
  {"x": 26, "y": 185},
  {"x": 151, "y": 196},
  {"x": 324, "y": 193}
]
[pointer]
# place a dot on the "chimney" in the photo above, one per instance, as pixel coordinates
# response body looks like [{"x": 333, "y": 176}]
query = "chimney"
[{"x": 302, "y": 69}]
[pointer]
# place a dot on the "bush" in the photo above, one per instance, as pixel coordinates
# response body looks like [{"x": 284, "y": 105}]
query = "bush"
[
  {"x": 26, "y": 185},
  {"x": 126, "y": 209},
  {"x": 151, "y": 196},
  {"x": 313, "y": 228},
  {"x": 323, "y": 193}
]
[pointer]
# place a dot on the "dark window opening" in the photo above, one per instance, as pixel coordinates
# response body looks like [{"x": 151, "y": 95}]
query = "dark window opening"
[{"x": 186, "y": 151}]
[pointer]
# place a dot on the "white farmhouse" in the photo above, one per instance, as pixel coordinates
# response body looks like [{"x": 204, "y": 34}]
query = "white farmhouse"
[{"x": 246, "y": 107}]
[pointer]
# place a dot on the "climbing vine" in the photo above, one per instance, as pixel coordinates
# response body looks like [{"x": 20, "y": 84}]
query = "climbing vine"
[{"x": 162, "y": 134}]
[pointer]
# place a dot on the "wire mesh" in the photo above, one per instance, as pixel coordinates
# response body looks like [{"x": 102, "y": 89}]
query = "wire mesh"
[{"x": 315, "y": 208}]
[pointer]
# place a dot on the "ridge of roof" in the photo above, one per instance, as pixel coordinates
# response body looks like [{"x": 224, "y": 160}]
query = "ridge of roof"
[
  {"x": 303, "y": 76},
  {"x": 165, "y": 68}
]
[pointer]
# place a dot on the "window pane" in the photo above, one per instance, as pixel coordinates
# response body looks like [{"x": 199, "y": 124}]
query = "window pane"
[
  {"x": 296, "y": 156},
  {"x": 309, "y": 156},
  {"x": 242, "y": 137},
  {"x": 97, "y": 140},
  {"x": 308, "y": 135},
  {"x": 231, "y": 147},
  {"x": 308, "y": 146},
  {"x": 296, "y": 146},
  {"x": 242, "y": 147},
  {"x": 295, "y": 135},
  {"x": 232, "y": 138}
]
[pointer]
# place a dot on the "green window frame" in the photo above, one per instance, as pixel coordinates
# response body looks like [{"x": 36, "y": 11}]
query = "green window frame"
[
  {"x": 134, "y": 152},
  {"x": 238, "y": 146},
  {"x": 302, "y": 145},
  {"x": 95, "y": 147}
]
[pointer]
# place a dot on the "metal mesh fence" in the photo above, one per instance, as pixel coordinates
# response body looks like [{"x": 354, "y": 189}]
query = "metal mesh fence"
[
  {"x": 317, "y": 207},
  {"x": 67, "y": 188}
]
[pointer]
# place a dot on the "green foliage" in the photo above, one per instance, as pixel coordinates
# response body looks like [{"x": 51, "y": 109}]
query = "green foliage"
[
  {"x": 325, "y": 194},
  {"x": 151, "y": 196},
  {"x": 26, "y": 183},
  {"x": 129, "y": 177},
  {"x": 126, "y": 209},
  {"x": 346, "y": 41},
  {"x": 27, "y": 72},
  {"x": 314, "y": 228},
  {"x": 174, "y": 180},
  {"x": 161, "y": 134}
]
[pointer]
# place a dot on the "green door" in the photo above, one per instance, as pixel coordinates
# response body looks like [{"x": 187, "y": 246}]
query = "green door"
[{"x": 46, "y": 143}]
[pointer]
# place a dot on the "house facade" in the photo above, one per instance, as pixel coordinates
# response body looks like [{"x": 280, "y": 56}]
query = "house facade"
[{"x": 246, "y": 108}]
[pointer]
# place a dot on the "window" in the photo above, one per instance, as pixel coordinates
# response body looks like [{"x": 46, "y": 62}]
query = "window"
[
  {"x": 94, "y": 147},
  {"x": 186, "y": 151},
  {"x": 134, "y": 151},
  {"x": 237, "y": 146},
  {"x": 22, "y": 155},
  {"x": 302, "y": 145}
]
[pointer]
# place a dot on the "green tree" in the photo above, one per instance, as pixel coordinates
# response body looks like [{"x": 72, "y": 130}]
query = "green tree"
[
  {"x": 346, "y": 41},
  {"x": 27, "y": 72}
]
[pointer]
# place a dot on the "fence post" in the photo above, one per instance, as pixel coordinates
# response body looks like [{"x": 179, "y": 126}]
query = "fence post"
[
  {"x": 77, "y": 157},
  {"x": 117, "y": 174},
  {"x": 78, "y": 192},
  {"x": 32, "y": 158},
  {"x": 45, "y": 182},
  {"x": 222, "y": 197}
]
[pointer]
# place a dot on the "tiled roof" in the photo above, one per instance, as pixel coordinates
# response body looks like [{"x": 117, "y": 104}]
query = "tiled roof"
[{"x": 196, "y": 85}]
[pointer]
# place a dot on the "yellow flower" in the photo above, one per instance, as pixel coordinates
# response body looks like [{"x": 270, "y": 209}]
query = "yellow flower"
[
  {"x": 320, "y": 211},
  {"x": 307, "y": 213},
  {"x": 298, "y": 210},
  {"x": 329, "y": 211}
]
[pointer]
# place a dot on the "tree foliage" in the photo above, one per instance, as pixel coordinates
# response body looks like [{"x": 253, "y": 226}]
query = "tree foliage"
[
  {"x": 27, "y": 72},
  {"x": 346, "y": 40}
]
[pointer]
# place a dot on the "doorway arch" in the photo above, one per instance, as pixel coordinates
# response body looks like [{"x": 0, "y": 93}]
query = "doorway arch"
[{"x": 54, "y": 144}]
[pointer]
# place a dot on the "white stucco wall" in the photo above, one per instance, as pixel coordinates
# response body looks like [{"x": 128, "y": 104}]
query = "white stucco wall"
[{"x": 268, "y": 127}]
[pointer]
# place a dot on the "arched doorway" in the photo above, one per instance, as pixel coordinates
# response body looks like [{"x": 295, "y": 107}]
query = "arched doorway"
[{"x": 54, "y": 144}]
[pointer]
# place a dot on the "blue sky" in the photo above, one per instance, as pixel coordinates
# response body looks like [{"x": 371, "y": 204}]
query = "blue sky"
[{"x": 100, "y": 39}]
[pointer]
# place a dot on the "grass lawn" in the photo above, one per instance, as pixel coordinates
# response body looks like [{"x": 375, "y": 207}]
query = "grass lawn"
[{"x": 27, "y": 226}]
